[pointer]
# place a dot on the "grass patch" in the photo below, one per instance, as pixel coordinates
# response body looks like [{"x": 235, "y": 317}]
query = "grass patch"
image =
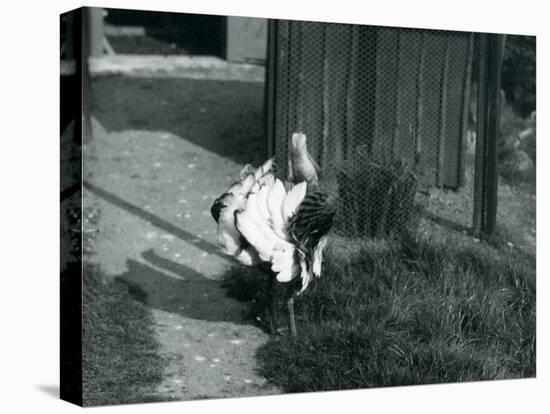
[
  {"x": 415, "y": 312},
  {"x": 121, "y": 364}
]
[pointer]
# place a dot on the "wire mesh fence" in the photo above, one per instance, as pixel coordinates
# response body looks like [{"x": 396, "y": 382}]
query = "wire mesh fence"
[{"x": 390, "y": 118}]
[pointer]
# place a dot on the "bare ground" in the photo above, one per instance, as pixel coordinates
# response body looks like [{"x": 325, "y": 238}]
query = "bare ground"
[
  {"x": 154, "y": 188},
  {"x": 516, "y": 212}
]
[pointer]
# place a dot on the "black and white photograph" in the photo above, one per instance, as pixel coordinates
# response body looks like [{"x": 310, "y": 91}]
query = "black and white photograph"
[{"x": 257, "y": 206}]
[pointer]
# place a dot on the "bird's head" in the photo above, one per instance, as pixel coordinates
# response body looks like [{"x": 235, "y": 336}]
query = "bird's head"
[{"x": 299, "y": 143}]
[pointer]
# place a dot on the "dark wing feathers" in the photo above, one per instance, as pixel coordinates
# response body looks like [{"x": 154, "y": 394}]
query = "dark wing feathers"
[
  {"x": 312, "y": 220},
  {"x": 218, "y": 206}
]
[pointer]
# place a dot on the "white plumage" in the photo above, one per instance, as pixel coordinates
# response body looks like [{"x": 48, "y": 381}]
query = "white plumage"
[
  {"x": 260, "y": 223},
  {"x": 258, "y": 210}
]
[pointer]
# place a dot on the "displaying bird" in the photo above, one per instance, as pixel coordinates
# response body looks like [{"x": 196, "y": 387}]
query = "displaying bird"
[{"x": 279, "y": 227}]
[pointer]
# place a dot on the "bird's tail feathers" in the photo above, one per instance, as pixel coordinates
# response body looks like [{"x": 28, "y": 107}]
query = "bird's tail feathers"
[
  {"x": 267, "y": 179},
  {"x": 245, "y": 184},
  {"x": 247, "y": 169},
  {"x": 248, "y": 257},
  {"x": 261, "y": 202},
  {"x": 255, "y": 188},
  {"x": 265, "y": 168},
  {"x": 250, "y": 231},
  {"x": 283, "y": 263},
  {"x": 275, "y": 200},
  {"x": 305, "y": 275},
  {"x": 318, "y": 256}
]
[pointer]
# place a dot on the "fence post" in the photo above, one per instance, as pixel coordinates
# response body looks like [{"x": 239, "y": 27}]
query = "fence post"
[
  {"x": 95, "y": 31},
  {"x": 490, "y": 51},
  {"x": 270, "y": 87},
  {"x": 89, "y": 19}
]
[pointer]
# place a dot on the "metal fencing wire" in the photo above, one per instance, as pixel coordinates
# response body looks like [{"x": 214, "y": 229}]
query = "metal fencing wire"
[{"x": 389, "y": 114}]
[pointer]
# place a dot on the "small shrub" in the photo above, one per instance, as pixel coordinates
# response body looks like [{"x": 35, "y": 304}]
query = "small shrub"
[
  {"x": 519, "y": 72},
  {"x": 517, "y": 146},
  {"x": 377, "y": 199}
]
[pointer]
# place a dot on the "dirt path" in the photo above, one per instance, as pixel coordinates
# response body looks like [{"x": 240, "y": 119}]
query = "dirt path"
[{"x": 154, "y": 189}]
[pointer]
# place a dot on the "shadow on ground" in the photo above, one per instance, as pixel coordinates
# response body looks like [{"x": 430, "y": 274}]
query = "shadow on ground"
[
  {"x": 173, "y": 287},
  {"x": 153, "y": 219},
  {"x": 225, "y": 117},
  {"x": 194, "y": 33}
]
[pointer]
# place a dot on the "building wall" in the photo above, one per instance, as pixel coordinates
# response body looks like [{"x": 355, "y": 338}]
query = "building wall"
[{"x": 390, "y": 93}]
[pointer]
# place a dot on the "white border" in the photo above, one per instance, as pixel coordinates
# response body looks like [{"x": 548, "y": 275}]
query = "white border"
[{"x": 30, "y": 223}]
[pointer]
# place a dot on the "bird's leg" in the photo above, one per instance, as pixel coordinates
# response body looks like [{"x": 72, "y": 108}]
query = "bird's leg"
[
  {"x": 271, "y": 305},
  {"x": 269, "y": 295},
  {"x": 290, "y": 293},
  {"x": 292, "y": 322}
]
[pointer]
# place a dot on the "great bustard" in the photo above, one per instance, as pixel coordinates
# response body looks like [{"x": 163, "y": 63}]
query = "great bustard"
[{"x": 279, "y": 227}]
